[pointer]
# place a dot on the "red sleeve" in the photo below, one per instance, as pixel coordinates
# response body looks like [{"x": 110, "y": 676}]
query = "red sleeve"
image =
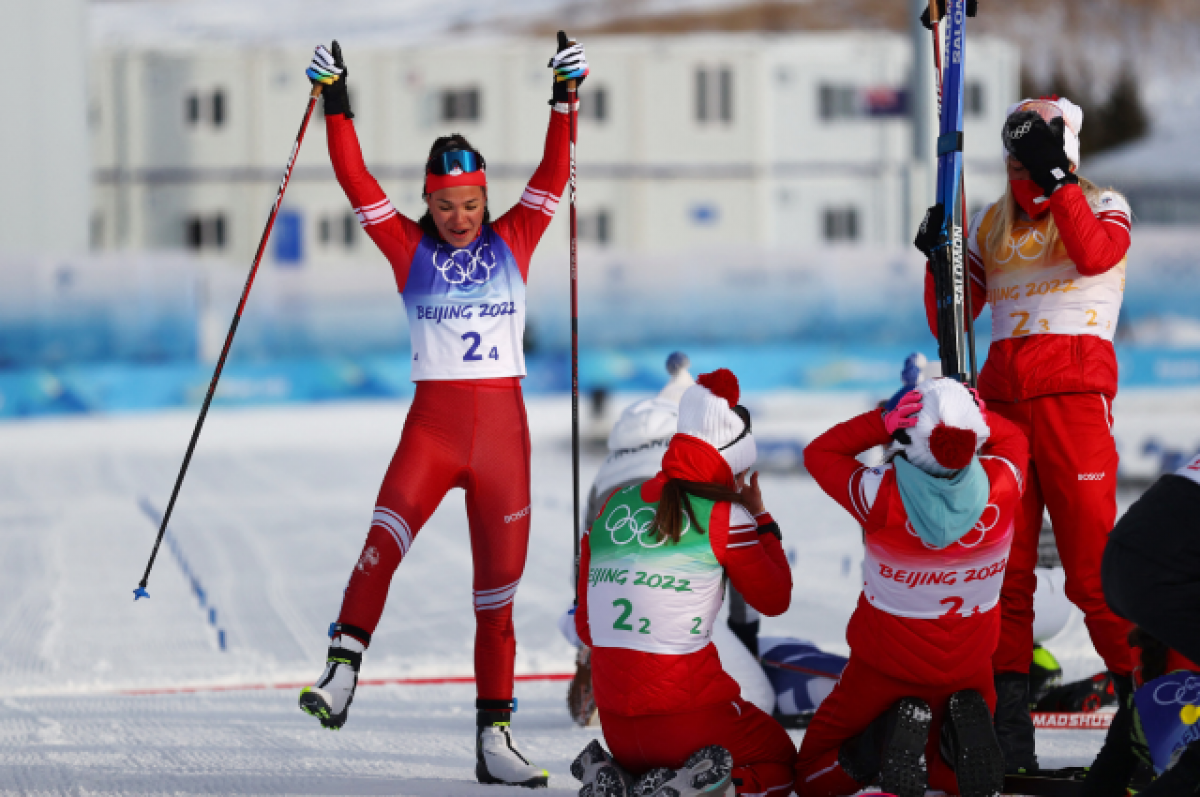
[
  {"x": 1007, "y": 442},
  {"x": 830, "y": 459},
  {"x": 1095, "y": 240},
  {"x": 581, "y": 607},
  {"x": 396, "y": 236},
  {"x": 756, "y": 564},
  {"x": 523, "y": 225}
]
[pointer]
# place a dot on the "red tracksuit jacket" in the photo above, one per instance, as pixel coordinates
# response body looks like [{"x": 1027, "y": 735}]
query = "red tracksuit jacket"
[{"x": 925, "y": 616}]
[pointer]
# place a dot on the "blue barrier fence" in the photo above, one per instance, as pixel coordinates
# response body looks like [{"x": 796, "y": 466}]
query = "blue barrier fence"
[{"x": 124, "y": 387}]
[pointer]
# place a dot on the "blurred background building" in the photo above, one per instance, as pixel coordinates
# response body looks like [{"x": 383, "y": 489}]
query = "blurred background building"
[
  {"x": 44, "y": 152},
  {"x": 751, "y": 172},
  {"x": 766, "y": 141}
]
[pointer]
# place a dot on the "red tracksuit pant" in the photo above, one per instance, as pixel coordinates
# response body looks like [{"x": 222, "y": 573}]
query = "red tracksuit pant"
[
  {"x": 861, "y": 695},
  {"x": 1073, "y": 474},
  {"x": 763, "y": 753},
  {"x": 473, "y": 435}
]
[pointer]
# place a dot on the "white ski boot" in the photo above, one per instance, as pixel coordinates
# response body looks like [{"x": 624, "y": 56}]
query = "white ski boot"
[
  {"x": 497, "y": 759},
  {"x": 600, "y": 775},
  {"x": 330, "y": 697},
  {"x": 707, "y": 772}
]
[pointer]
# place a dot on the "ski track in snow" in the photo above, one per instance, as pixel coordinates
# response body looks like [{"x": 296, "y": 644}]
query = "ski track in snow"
[{"x": 271, "y": 519}]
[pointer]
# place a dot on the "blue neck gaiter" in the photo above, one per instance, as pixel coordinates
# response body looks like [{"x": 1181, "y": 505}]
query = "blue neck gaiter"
[{"x": 942, "y": 511}]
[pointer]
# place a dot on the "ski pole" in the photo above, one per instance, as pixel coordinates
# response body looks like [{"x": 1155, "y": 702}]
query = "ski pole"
[
  {"x": 572, "y": 116},
  {"x": 141, "y": 592}
]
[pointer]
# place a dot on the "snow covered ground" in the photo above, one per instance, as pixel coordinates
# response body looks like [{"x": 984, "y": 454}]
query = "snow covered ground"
[{"x": 268, "y": 526}]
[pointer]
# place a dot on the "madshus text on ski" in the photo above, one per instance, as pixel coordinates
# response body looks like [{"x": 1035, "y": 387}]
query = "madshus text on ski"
[{"x": 936, "y": 692}]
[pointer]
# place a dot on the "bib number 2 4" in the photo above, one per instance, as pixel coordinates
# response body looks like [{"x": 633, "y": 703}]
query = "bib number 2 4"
[{"x": 473, "y": 354}]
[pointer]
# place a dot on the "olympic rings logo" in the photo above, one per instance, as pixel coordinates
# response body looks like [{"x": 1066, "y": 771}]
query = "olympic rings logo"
[
  {"x": 465, "y": 267},
  {"x": 638, "y": 524},
  {"x": 1019, "y": 132},
  {"x": 1017, "y": 247},
  {"x": 985, "y": 524},
  {"x": 1187, "y": 693}
]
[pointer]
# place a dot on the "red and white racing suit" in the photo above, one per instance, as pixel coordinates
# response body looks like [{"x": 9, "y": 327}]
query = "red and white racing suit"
[
  {"x": 1051, "y": 370},
  {"x": 927, "y": 621},
  {"x": 467, "y": 426}
]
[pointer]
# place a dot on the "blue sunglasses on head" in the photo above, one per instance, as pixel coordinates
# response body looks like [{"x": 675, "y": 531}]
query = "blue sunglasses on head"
[{"x": 461, "y": 159}]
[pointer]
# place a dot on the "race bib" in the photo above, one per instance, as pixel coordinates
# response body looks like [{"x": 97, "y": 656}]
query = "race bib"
[{"x": 648, "y": 594}]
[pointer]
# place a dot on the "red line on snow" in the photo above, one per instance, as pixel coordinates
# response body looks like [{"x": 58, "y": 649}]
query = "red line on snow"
[{"x": 453, "y": 679}]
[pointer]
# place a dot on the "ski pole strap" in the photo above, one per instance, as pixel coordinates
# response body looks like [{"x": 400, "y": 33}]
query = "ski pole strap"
[
  {"x": 950, "y": 142},
  {"x": 360, "y": 634}
]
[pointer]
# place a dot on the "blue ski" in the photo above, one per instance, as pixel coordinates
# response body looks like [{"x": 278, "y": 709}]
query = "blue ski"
[{"x": 949, "y": 262}]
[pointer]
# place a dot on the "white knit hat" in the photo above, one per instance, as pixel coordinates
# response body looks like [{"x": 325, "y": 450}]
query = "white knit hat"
[
  {"x": 1071, "y": 114},
  {"x": 706, "y": 412},
  {"x": 950, "y": 428}
]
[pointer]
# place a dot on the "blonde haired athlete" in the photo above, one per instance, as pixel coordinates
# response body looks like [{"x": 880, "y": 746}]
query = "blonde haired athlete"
[{"x": 1049, "y": 257}]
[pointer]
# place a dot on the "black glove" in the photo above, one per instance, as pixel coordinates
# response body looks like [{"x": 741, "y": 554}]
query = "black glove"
[
  {"x": 972, "y": 10},
  {"x": 330, "y": 71},
  {"x": 569, "y": 63},
  {"x": 930, "y": 231},
  {"x": 1039, "y": 148}
]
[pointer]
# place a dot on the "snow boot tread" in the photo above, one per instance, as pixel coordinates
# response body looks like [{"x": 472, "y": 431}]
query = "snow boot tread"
[
  {"x": 978, "y": 760},
  {"x": 902, "y": 770}
]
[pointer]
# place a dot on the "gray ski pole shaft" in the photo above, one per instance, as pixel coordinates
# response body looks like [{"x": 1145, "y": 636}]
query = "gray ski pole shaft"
[{"x": 140, "y": 591}]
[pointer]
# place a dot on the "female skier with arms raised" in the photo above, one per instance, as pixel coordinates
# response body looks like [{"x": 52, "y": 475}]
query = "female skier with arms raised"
[
  {"x": 1049, "y": 257},
  {"x": 462, "y": 278},
  {"x": 651, "y": 580}
]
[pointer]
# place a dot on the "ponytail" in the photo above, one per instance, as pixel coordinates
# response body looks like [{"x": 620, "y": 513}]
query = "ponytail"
[{"x": 675, "y": 501}]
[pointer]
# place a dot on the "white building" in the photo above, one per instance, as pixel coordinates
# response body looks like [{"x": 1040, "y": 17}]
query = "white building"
[
  {"x": 44, "y": 206},
  {"x": 685, "y": 143}
]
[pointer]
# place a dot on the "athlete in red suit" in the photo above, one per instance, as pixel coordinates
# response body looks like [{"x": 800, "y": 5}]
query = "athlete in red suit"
[
  {"x": 1049, "y": 257},
  {"x": 462, "y": 278},
  {"x": 662, "y": 694},
  {"x": 927, "y": 622}
]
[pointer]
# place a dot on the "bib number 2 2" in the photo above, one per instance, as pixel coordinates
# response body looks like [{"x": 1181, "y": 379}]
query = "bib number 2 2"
[
  {"x": 627, "y": 609},
  {"x": 472, "y": 354}
]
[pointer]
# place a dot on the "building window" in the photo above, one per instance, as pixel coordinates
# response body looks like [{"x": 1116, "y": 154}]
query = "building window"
[
  {"x": 725, "y": 89},
  {"x": 593, "y": 104},
  {"x": 714, "y": 94},
  {"x": 289, "y": 237},
  {"x": 973, "y": 99},
  {"x": 203, "y": 233},
  {"x": 191, "y": 109},
  {"x": 838, "y": 102},
  {"x": 96, "y": 232},
  {"x": 339, "y": 228},
  {"x": 198, "y": 106},
  {"x": 218, "y": 107},
  {"x": 841, "y": 224},
  {"x": 595, "y": 227},
  {"x": 460, "y": 105}
]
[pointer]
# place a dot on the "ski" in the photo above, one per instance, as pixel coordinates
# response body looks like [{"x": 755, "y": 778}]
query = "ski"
[
  {"x": 949, "y": 261},
  {"x": 1049, "y": 783}
]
